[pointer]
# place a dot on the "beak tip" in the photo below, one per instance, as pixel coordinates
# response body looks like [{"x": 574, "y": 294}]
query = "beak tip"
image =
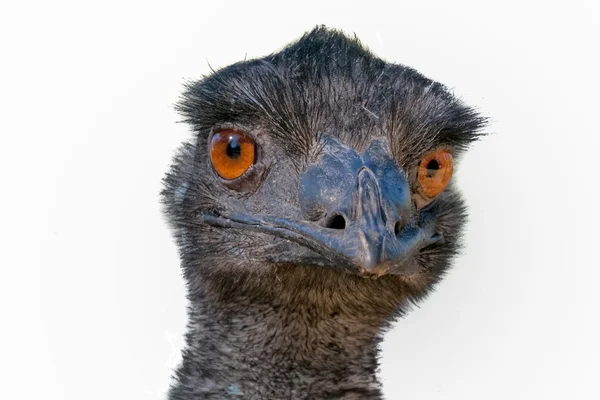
[
  {"x": 371, "y": 268},
  {"x": 371, "y": 273}
]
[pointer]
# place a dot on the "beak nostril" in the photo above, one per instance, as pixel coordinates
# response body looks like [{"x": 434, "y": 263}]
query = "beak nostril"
[
  {"x": 397, "y": 227},
  {"x": 337, "y": 222}
]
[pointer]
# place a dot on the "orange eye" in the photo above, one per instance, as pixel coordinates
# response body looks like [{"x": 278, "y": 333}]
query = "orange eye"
[
  {"x": 231, "y": 153},
  {"x": 435, "y": 171}
]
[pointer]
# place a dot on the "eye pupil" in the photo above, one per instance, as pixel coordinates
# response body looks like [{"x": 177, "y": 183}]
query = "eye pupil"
[
  {"x": 234, "y": 150},
  {"x": 432, "y": 167}
]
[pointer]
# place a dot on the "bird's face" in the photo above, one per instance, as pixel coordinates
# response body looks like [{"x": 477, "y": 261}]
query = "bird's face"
[{"x": 321, "y": 155}]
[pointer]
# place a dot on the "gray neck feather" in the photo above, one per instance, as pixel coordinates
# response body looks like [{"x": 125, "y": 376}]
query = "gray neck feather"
[{"x": 286, "y": 338}]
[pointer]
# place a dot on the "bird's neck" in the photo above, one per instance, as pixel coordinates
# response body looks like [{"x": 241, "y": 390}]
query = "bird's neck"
[{"x": 287, "y": 337}]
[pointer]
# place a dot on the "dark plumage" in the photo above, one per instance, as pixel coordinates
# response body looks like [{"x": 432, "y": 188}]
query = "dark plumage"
[{"x": 278, "y": 314}]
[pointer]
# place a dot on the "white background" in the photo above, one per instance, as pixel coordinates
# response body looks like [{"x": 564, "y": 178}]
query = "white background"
[{"x": 92, "y": 301}]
